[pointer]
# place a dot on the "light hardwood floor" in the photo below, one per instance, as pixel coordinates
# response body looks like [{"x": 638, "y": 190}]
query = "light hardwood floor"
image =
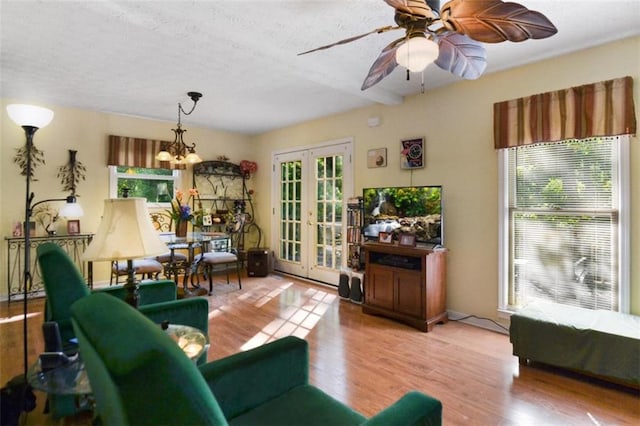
[{"x": 368, "y": 362}]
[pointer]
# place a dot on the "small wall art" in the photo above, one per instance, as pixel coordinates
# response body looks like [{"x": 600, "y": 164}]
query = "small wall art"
[
  {"x": 412, "y": 153},
  {"x": 377, "y": 158}
]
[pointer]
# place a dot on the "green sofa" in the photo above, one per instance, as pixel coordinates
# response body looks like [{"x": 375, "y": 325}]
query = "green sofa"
[
  {"x": 140, "y": 376},
  {"x": 64, "y": 285}
]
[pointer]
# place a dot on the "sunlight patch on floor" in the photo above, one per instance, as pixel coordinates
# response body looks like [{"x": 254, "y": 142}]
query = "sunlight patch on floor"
[
  {"x": 275, "y": 292},
  {"x": 297, "y": 319},
  {"x": 17, "y": 317}
]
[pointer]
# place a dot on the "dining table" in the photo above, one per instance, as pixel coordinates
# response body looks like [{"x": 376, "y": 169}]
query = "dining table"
[{"x": 192, "y": 241}]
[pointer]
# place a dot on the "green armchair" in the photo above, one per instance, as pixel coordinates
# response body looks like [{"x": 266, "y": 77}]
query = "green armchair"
[
  {"x": 140, "y": 376},
  {"x": 64, "y": 285}
]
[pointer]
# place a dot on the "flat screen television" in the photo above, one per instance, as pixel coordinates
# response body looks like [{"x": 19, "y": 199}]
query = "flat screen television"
[{"x": 415, "y": 210}]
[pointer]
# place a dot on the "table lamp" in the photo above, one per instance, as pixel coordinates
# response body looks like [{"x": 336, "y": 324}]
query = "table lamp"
[{"x": 125, "y": 233}]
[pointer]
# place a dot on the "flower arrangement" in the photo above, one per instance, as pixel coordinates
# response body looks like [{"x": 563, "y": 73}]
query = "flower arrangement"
[
  {"x": 248, "y": 167},
  {"x": 181, "y": 211}
]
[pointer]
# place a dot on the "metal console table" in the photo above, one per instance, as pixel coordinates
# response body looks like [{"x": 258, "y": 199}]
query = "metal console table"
[{"x": 74, "y": 245}]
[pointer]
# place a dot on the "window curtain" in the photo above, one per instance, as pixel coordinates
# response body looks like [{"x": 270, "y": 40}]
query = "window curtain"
[
  {"x": 605, "y": 108},
  {"x": 137, "y": 152}
]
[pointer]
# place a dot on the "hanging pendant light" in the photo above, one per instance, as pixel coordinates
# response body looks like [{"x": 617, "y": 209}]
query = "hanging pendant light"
[{"x": 179, "y": 152}]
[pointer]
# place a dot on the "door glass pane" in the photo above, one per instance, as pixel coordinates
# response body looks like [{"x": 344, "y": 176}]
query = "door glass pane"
[
  {"x": 290, "y": 208},
  {"x": 328, "y": 204},
  {"x": 320, "y": 168}
]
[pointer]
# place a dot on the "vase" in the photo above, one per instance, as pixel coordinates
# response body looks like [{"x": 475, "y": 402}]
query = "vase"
[{"x": 181, "y": 228}]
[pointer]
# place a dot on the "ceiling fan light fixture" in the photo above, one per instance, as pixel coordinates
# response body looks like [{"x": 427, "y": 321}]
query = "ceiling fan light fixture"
[{"x": 417, "y": 53}]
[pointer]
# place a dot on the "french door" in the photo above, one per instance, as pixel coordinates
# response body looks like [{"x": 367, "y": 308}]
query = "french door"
[{"x": 309, "y": 210}]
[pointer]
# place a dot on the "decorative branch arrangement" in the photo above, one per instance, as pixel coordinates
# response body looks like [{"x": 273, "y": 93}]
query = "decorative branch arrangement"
[
  {"x": 71, "y": 173},
  {"x": 37, "y": 157},
  {"x": 46, "y": 216}
]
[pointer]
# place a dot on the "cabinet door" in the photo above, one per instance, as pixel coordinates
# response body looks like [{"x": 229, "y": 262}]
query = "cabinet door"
[
  {"x": 409, "y": 293},
  {"x": 379, "y": 290}
]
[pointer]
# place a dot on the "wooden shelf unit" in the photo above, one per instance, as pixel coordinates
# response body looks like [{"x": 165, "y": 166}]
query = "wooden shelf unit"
[{"x": 407, "y": 284}]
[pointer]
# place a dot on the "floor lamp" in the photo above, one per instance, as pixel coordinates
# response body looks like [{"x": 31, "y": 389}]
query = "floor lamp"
[
  {"x": 20, "y": 395},
  {"x": 125, "y": 233}
]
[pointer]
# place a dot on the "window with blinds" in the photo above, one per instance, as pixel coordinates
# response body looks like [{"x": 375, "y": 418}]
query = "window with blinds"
[
  {"x": 158, "y": 186},
  {"x": 563, "y": 223}
]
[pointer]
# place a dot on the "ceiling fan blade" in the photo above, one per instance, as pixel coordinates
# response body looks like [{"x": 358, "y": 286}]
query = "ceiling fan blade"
[
  {"x": 494, "y": 21},
  {"x": 461, "y": 56},
  {"x": 416, "y": 8},
  {"x": 350, "y": 39},
  {"x": 384, "y": 65}
]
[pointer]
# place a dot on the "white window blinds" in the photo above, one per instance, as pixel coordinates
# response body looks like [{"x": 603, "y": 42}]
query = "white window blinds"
[{"x": 563, "y": 223}]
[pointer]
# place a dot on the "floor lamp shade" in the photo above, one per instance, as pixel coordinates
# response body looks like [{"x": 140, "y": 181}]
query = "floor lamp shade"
[
  {"x": 29, "y": 115},
  {"x": 125, "y": 233}
]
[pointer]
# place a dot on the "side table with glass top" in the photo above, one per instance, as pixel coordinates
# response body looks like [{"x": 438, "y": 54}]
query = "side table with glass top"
[{"x": 71, "y": 378}]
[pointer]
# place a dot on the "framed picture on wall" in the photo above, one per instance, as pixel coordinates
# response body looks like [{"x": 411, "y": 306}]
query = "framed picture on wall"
[
  {"x": 73, "y": 227},
  {"x": 412, "y": 153},
  {"x": 377, "y": 158}
]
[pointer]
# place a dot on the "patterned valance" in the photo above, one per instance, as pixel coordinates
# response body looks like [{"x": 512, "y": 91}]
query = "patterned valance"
[
  {"x": 599, "y": 109},
  {"x": 137, "y": 152}
]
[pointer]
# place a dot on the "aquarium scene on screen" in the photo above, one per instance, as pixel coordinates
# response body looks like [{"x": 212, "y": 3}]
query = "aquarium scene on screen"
[{"x": 415, "y": 210}]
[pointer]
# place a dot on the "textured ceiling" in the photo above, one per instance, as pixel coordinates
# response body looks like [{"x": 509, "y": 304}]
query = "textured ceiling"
[{"x": 140, "y": 58}]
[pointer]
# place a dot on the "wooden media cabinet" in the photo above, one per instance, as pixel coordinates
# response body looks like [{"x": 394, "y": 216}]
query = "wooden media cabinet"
[{"x": 405, "y": 283}]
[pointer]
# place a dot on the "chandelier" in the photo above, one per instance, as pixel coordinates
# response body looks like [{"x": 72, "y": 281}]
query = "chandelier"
[{"x": 179, "y": 152}]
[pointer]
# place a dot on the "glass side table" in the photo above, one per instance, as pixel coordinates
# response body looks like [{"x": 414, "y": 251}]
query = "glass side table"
[
  {"x": 67, "y": 379},
  {"x": 72, "y": 379},
  {"x": 190, "y": 339}
]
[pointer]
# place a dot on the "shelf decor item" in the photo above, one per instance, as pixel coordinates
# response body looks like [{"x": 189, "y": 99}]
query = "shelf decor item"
[
  {"x": 46, "y": 215},
  {"x": 385, "y": 238},
  {"x": 73, "y": 227},
  {"x": 407, "y": 240}
]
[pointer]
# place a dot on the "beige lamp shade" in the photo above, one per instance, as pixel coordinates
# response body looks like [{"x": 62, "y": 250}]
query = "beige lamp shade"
[{"x": 126, "y": 232}]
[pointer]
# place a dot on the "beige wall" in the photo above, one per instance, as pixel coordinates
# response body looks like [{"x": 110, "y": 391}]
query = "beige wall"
[
  {"x": 87, "y": 132},
  {"x": 456, "y": 122}
]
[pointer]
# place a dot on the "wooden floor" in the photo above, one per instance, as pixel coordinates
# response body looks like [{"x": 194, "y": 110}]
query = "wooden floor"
[{"x": 368, "y": 362}]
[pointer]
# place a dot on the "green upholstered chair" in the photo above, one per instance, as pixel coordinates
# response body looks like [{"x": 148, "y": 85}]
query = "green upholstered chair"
[
  {"x": 140, "y": 376},
  {"x": 64, "y": 285}
]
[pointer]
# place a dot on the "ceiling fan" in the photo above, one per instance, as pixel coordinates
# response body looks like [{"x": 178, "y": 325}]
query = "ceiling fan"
[{"x": 450, "y": 36}]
